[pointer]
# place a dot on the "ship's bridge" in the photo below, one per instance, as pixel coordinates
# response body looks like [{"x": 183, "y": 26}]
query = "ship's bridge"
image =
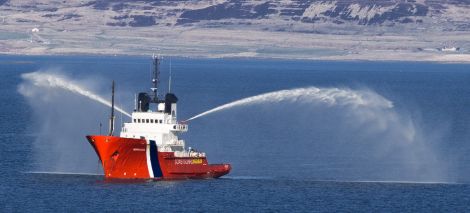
[{"x": 160, "y": 125}]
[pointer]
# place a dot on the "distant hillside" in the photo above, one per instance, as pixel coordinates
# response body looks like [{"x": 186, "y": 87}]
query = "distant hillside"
[
  {"x": 278, "y": 15},
  {"x": 436, "y": 23}
]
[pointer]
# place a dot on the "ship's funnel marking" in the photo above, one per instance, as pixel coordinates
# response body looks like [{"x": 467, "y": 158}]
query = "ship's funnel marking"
[
  {"x": 329, "y": 96},
  {"x": 41, "y": 79}
]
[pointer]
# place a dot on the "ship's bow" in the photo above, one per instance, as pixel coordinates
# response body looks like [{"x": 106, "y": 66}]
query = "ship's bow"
[{"x": 121, "y": 157}]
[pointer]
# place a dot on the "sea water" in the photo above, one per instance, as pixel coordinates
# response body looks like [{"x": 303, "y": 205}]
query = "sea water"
[{"x": 405, "y": 148}]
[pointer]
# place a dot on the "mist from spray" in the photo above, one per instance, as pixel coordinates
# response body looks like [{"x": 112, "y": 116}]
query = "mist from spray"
[
  {"x": 64, "y": 111},
  {"x": 328, "y": 96},
  {"x": 324, "y": 133},
  {"x": 42, "y": 79}
]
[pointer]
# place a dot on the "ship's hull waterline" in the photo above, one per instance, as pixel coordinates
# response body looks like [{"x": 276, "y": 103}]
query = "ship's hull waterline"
[{"x": 130, "y": 158}]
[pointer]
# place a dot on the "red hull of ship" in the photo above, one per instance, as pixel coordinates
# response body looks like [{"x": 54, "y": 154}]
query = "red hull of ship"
[{"x": 137, "y": 159}]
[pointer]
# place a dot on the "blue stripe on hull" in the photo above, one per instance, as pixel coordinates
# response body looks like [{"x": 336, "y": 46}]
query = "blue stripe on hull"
[{"x": 157, "y": 171}]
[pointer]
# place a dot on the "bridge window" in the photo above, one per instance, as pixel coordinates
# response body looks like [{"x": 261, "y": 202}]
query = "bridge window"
[
  {"x": 147, "y": 121},
  {"x": 138, "y": 120},
  {"x": 135, "y": 120},
  {"x": 161, "y": 121},
  {"x": 151, "y": 121}
]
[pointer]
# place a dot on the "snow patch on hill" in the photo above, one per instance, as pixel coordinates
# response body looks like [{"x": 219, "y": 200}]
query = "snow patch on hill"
[
  {"x": 318, "y": 8},
  {"x": 366, "y": 13}
]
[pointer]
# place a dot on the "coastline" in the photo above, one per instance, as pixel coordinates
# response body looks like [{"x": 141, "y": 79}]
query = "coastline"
[{"x": 437, "y": 58}]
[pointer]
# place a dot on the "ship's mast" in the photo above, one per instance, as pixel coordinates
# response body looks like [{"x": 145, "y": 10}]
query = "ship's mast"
[
  {"x": 155, "y": 78},
  {"x": 111, "y": 119},
  {"x": 169, "y": 79}
]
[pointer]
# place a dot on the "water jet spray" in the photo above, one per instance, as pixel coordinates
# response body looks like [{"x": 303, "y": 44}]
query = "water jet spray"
[
  {"x": 330, "y": 96},
  {"x": 41, "y": 79}
]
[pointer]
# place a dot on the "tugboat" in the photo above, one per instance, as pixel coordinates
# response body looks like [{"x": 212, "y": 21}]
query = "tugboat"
[{"x": 148, "y": 147}]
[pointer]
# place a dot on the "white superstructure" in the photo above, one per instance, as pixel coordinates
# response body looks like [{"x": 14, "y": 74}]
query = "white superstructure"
[
  {"x": 157, "y": 125},
  {"x": 154, "y": 119}
]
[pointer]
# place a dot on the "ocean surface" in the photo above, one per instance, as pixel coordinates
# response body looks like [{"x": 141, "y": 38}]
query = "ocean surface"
[{"x": 339, "y": 136}]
